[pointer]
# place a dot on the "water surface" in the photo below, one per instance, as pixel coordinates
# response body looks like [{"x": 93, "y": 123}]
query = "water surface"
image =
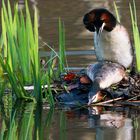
[{"x": 24, "y": 120}]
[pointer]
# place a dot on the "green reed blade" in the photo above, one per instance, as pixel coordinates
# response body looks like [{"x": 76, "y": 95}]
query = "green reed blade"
[
  {"x": 20, "y": 42},
  {"x": 117, "y": 12},
  {"x": 50, "y": 66},
  {"x": 134, "y": 11},
  {"x": 17, "y": 86},
  {"x": 61, "y": 46},
  {"x": 49, "y": 91},
  {"x": 36, "y": 55},
  {"x": 10, "y": 15},
  {"x": 7, "y": 28},
  {"x": 30, "y": 35},
  {"x": 33, "y": 44},
  {"x": 36, "y": 36},
  {"x": 20, "y": 60},
  {"x": 4, "y": 37},
  {"x": 23, "y": 50},
  {"x": 3, "y": 129},
  {"x": 62, "y": 125},
  {"x": 48, "y": 122},
  {"x": 136, "y": 34},
  {"x": 12, "y": 57},
  {"x": 13, "y": 127},
  {"x": 11, "y": 77},
  {"x": 29, "y": 125},
  {"x": 38, "y": 127}
]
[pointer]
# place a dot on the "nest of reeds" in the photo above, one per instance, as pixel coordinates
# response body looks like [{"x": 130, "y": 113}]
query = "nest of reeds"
[{"x": 127, "y": 92}]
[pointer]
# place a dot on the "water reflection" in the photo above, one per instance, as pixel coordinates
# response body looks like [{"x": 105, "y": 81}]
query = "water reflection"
[
  {"x": 16, "y": 119},
  {"x": 106, "y": 125},
  {"x": 112, "y": 124},
  {"x": 22, "y": 120}
]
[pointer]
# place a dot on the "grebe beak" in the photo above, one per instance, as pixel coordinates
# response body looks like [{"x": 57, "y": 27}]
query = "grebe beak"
[
  {"x": 93, "y": 100},
  {"x": 100, "y": 30}
]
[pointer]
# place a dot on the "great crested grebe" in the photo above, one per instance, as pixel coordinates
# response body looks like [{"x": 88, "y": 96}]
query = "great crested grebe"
[
  {"x": 113, "y": 51},
  {"x": 111, "y": 39},
  {"x": 103, "y": 75}
]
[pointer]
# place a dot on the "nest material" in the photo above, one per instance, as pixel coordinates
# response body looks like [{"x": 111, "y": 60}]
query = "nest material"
[{"x": 126, "y": 92}]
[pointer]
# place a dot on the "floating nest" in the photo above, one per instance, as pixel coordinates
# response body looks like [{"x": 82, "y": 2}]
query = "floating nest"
[{"x": 75, "y": 88}]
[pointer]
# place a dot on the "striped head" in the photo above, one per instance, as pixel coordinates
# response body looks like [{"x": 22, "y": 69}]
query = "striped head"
[{"x": 99, "y": 18}]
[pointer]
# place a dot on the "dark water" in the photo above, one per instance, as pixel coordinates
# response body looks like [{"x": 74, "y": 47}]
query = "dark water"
[{"x": 97, "y": 123}]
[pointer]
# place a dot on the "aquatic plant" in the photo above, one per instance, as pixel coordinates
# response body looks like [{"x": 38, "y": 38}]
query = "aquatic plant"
[
  {"x": 19, "y": 122},
  {"x": 62, "y": 55},
  {"x": 25, "y": 121},
  {"x": 63, "y": 125},
  {"x": 19, "y": 53},
  {"x": 19, "y": 50},
  {"x": 116, "y": 11},
  {"x": 136, "y": 34}
]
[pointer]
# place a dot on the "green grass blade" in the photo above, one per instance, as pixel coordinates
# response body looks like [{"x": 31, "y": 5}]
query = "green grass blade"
[
  {"x": 28, "y": 126},
  {"x": 48, "y": 122},
  {"x": 61, "y": 47},
  {"x": 62, "y": 125},
  {"x": 3, "y": 129},
  {"x": 136, "y": 35},
  {"x": 4, "y": 36},
  {"x": 49, "y": 91},
  {"x": 117, "y": 12},
  {"x": 13, "y": 127},
  {"x": 134, "y": 11}
]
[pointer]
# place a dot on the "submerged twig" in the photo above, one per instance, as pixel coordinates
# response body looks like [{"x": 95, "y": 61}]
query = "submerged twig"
[
  {"x": 132, "y": 103},
  {"x": 135, "y": 101},
  {"x": 133, "y": 98}
]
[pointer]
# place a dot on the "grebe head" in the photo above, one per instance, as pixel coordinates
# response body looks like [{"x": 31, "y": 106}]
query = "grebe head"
[{"x": 99, "y": 18}]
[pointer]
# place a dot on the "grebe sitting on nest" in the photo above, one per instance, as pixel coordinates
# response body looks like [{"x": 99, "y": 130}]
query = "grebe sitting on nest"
[{"x": 103, "y": 75}]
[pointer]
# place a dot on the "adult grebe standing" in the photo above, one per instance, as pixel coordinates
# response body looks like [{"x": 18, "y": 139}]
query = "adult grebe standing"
[{"x": 111, "y": 39}]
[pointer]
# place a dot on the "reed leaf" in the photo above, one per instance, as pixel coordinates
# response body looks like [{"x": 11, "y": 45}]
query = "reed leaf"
[
  {"x": 3, "y": 129},
  {"x": 136, "y": 34},
  {"x": 48, "y": 122},
  {"x": 19, "y": 41},
  {"x": 4, "y": 37},
  {"x": 62, "y": 125},
  {"x": 117, "y": 12},
  {"x": 12, "y": 128},
  {"x": 49, "y": 91},
  {"x": 27, "y": 124},
  {"x": 62, "y": 55},
  {"x": 23, "y": 47}
]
